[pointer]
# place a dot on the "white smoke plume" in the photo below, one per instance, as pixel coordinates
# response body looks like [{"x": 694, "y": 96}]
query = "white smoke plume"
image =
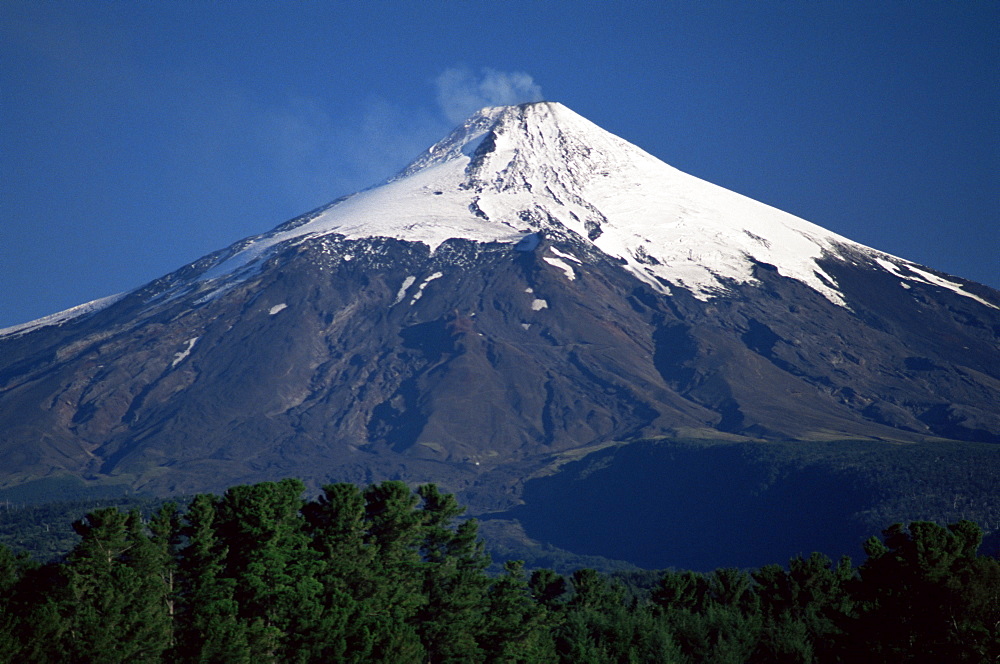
[
  {"x": 316, "y": 155},
  {"x": 461, "y": 92}
]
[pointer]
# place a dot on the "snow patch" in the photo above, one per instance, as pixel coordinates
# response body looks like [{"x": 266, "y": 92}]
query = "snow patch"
[
  {"x": 276, "y": 308},
  {"x": 562, "y": 265},
  {"x": 538, "y": 305},
  {"x": 569, "y": 257},
  {"x": 182, "y": 355},
  {"x": 928, "y": 278},
  {"x": 891, "y": 268},
  {"x": 423, "y": 285},
  {"x": 403, "y": 288},
  {"x": 62, "y": 316},
  {"x": 950, "y": 285}
]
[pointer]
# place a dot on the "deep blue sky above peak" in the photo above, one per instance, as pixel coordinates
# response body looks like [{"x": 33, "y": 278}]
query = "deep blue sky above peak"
[{"x": 137, "y": 137}]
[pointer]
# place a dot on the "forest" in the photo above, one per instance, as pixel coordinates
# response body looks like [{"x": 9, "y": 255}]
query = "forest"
[{"x": 386, "y": 573}]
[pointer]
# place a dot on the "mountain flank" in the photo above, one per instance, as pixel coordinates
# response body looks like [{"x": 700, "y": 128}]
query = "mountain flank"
[{"x": 529, "y": 294}]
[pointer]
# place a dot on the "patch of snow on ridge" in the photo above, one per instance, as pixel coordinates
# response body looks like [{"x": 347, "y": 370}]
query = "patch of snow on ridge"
[
  {"x": 562, "y": 265},
  {"x": 276, "y": 308},
  {"x": 950, "y": 285},
  {"x": 436, "y": 275},
  {"x": 423, "y": 285},
  {"x": 891, "y": 268},
  {"x": 182, "y": 355},
  {"x": 407, "y": 209},
  {"x": 927, "y": 278},
  {"x": 64, "y": 316},
  {"x": 407, "y": 282},
  {"x": 561, "y": 254},
  {"x": 539, "y": 304}
]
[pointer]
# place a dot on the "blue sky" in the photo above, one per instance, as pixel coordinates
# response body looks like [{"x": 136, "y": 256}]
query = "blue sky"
[{"x": 137, "y": 137}]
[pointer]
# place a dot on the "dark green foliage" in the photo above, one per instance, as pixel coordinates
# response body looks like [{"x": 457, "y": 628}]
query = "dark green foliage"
[
  {"x": 269, "y": 555},
  {"x": 454, "y": 581},
  {"x": 600, "y": 625},
  {"x": 927, "y": 597},
  {"x": 12, "y": 569},
  {"x": 547, "y": 587},
  {"x": 714, "y": 617},
  {"x": 114, "y": 605},
  {"x": 207, "y": 627},
  {"x": 516, "y": 626},
  {"x": 804, "y": 607},
  {"x": 386, "y": 574}
]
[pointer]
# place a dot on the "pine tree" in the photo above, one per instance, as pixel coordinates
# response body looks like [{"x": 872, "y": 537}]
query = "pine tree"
[
  {"x": 454, "y": 581},
  {"x": 804, "y": 607},
  {"x": 273, "y": 565},
  {"x": 337, "y": 527},
  {"x": 925, "y": 595},
  {"x": 118, "y": 611},
  {"x": 164, "y": 544},
  {"x": 11, "y": 570},
  {"x": 518, "y": 628},
  {"x": 394, "y": 532},
  {"x": 209, "y": 629}
]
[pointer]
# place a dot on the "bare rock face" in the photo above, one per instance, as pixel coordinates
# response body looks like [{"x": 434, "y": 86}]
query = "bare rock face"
[{"x": 530, "y": 290}]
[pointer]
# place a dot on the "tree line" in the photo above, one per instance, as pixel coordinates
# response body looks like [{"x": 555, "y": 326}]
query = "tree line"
[{"x": 389, "y": 574}]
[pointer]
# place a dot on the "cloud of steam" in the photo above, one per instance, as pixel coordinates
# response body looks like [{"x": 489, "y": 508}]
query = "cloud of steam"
[
  {"x": 315, "y": 156},
  {"x": 460, "y": 92}
]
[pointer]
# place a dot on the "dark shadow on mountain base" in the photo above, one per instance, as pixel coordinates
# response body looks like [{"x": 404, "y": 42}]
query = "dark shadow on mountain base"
[{"x": 696, "y": 507}]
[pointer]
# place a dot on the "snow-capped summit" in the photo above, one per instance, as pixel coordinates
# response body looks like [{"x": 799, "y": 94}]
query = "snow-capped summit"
[{"x": 512, "y": 170}]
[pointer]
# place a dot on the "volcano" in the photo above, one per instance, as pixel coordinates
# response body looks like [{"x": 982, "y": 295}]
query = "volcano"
[{"x": 530, "y": 293}]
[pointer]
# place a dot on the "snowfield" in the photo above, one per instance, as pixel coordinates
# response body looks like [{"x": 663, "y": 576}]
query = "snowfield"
[
  {"x": 509, "y": 172},
  {"x": 512, "y": 174}
]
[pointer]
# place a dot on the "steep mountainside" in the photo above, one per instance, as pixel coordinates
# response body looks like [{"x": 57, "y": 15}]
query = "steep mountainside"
[{"x": 529, "y": 290}]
